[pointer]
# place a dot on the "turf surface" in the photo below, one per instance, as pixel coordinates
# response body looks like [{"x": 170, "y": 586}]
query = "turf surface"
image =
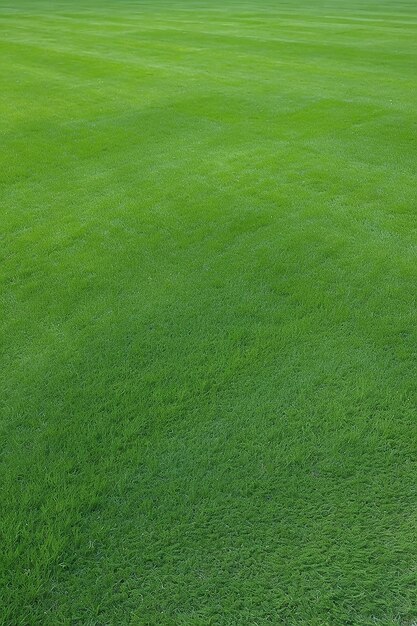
[{"x": 208, "y": 290}]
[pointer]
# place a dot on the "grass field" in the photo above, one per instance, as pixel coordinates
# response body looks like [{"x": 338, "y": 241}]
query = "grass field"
[{"x": 209, "y": 313}]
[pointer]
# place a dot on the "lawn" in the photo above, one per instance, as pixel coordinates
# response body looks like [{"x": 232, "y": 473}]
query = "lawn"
[{"x": 209, "y": 313}]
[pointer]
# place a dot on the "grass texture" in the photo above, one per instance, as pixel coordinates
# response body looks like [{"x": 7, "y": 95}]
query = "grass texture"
[{"x": 209, "y": 324}]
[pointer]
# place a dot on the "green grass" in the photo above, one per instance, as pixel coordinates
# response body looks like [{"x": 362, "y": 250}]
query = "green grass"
[{"x": 209, "y": 313}]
